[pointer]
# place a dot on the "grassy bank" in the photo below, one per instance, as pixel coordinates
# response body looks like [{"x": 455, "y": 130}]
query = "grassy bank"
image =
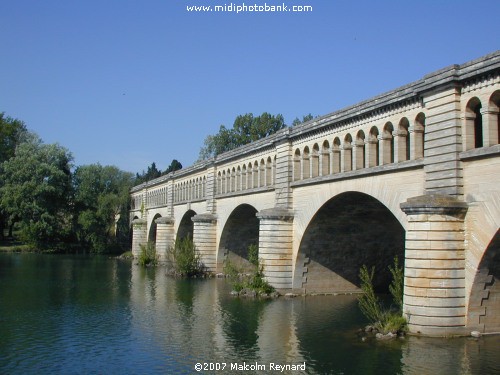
[{"x": 14, "y": 246}]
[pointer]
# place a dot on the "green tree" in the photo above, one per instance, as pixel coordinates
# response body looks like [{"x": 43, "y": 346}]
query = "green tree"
[
  {"x": 246, "y": 128},
  {"x": 101, "y": 206},
  {"x": 149, "y": 175},
  {"x": 174, "y": 166},
  {"x": 305, "y": 118},
  {"x": 11, "y": 133},
  {"x": 36, "y": 191}
]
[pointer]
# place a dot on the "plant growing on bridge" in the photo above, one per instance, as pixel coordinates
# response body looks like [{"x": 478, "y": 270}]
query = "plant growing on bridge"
[
  {"x": 253, "y": 254},
  {"x": 254, "y": 281},
  {"x": 148, "y": 257},
  {"x": 368, "y": 302},
  {"x": 384, "y": 320},
  {"x": 397, "y": 284},
  {"x": 185, "y": 258}
]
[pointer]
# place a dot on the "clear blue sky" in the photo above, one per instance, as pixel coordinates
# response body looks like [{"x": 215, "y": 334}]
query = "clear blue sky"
[{"x": 131, "y": 82}]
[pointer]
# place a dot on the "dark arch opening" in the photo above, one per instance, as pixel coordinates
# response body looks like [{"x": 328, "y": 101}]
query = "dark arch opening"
[
  {"x": 478, "y": 126},
  {"x": 348, "y": 231},
  {"x": 186, "y": 226},
  {"x": 487, "y": 287},
  {"x": 152, "y": 229},
  {"x": 240, "y": 231}
]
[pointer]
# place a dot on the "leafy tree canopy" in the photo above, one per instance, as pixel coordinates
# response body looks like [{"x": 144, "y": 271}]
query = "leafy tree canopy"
[
  {"x": 246, "y": 128},
  {"x": 101, "y": 205},
  {"x": 154, "y": 172},
  {"x": 305, "y": 118},
  {"x": 11, "y": 132},
  {"x": 174, "y": 166},
  {"x": 150, "y": 174},
  {"x": 36, "y": 190}
]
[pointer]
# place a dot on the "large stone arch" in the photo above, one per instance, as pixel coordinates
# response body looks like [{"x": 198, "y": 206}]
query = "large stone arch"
[
  {"x": 186, "y": 226},
  {"x": 240, "y": 231},
  {"x": 484, "y": 299},
  {"x": 349, "y": 230}
]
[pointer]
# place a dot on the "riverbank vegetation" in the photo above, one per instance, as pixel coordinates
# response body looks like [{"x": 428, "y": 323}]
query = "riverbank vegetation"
[
  {"x": 148, "y": 257},
  {"x": 184, "y": 259},
  {"x": 48, "y": 204},
  {"x": 248, "y": 283},
  {"x": 382, "y": 319}
]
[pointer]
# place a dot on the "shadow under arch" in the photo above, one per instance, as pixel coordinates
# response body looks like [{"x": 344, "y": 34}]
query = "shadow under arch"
[
  {"x": 152, "y": 229},
  {"x": 186, "y": 226},
  {"x": 240, "y": 231},
  {"x": 484, "y": 301},
  {"x": 352, "y": 229}
]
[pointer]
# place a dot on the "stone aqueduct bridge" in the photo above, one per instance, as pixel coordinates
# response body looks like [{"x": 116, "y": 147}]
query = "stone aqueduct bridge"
[{"x": 413, "y": 173}]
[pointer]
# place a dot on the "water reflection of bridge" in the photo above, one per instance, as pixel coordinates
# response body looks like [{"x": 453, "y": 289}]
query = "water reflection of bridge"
[
  {"x": 414, "y": 173},
  {"x": 196, "y": 321}
]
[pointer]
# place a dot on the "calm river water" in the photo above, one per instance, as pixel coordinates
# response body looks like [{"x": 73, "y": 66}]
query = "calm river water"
[{"x": 64, "y": 314}]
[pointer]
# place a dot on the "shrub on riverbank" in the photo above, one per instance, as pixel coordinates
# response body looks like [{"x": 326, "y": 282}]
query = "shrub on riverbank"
[
  {"x": 185, "y": 258},
  {"x": 382, "y": 319},
  {"x": 253, "y": 281},
  {"x": 148, "y": 257}
]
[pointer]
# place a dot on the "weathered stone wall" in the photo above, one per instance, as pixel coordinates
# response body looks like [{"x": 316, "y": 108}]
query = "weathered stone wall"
[{"x": 443, "y": 172}]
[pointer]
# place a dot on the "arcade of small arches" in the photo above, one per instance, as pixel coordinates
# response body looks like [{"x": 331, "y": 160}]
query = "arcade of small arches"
[
  {"x": 191, "y": 190},
  {"x": 387, "y": 146},
  {"x": 246, "y": 177},
  {"x": 481, "y": 122}
]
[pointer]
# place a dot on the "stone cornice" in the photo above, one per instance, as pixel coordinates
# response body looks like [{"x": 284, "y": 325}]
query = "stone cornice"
[
  {"x": 204, "y": 218},
  {"x": 276, "y": 213},
  {"x": 435, "y": 204},
  {"x": 165, "y": 220}
]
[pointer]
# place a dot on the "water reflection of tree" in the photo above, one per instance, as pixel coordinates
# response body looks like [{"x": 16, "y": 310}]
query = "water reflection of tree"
[
  {"x": 240, "y": 324},
  {"x": 184, "y": 295}
]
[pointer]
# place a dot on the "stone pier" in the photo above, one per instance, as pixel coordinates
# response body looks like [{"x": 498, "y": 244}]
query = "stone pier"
[
  {"x": 275, "y": 246},
  {"x": 434, "y": 292}
]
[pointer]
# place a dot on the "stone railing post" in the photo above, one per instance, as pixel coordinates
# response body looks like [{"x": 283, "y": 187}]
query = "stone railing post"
[
  {"x": 384, "y": 142},
  {"x": 358, "y": 154},
  {"x": 400, "y": 139},
  {"x": 164, "y": 236},
  {"x": 205, "y": 239},
  {"x": 346, "y": 158},
  {"x": 490, "y": 126},
  {"x": 416, "y": 142},
  {"x": 335, "y": 160},
  {"x": 434, "y": 291},
  {"x": 139, "y": 236},
  {"x": 371, "y": 153},
  {"x": 275, "y": 246}
]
